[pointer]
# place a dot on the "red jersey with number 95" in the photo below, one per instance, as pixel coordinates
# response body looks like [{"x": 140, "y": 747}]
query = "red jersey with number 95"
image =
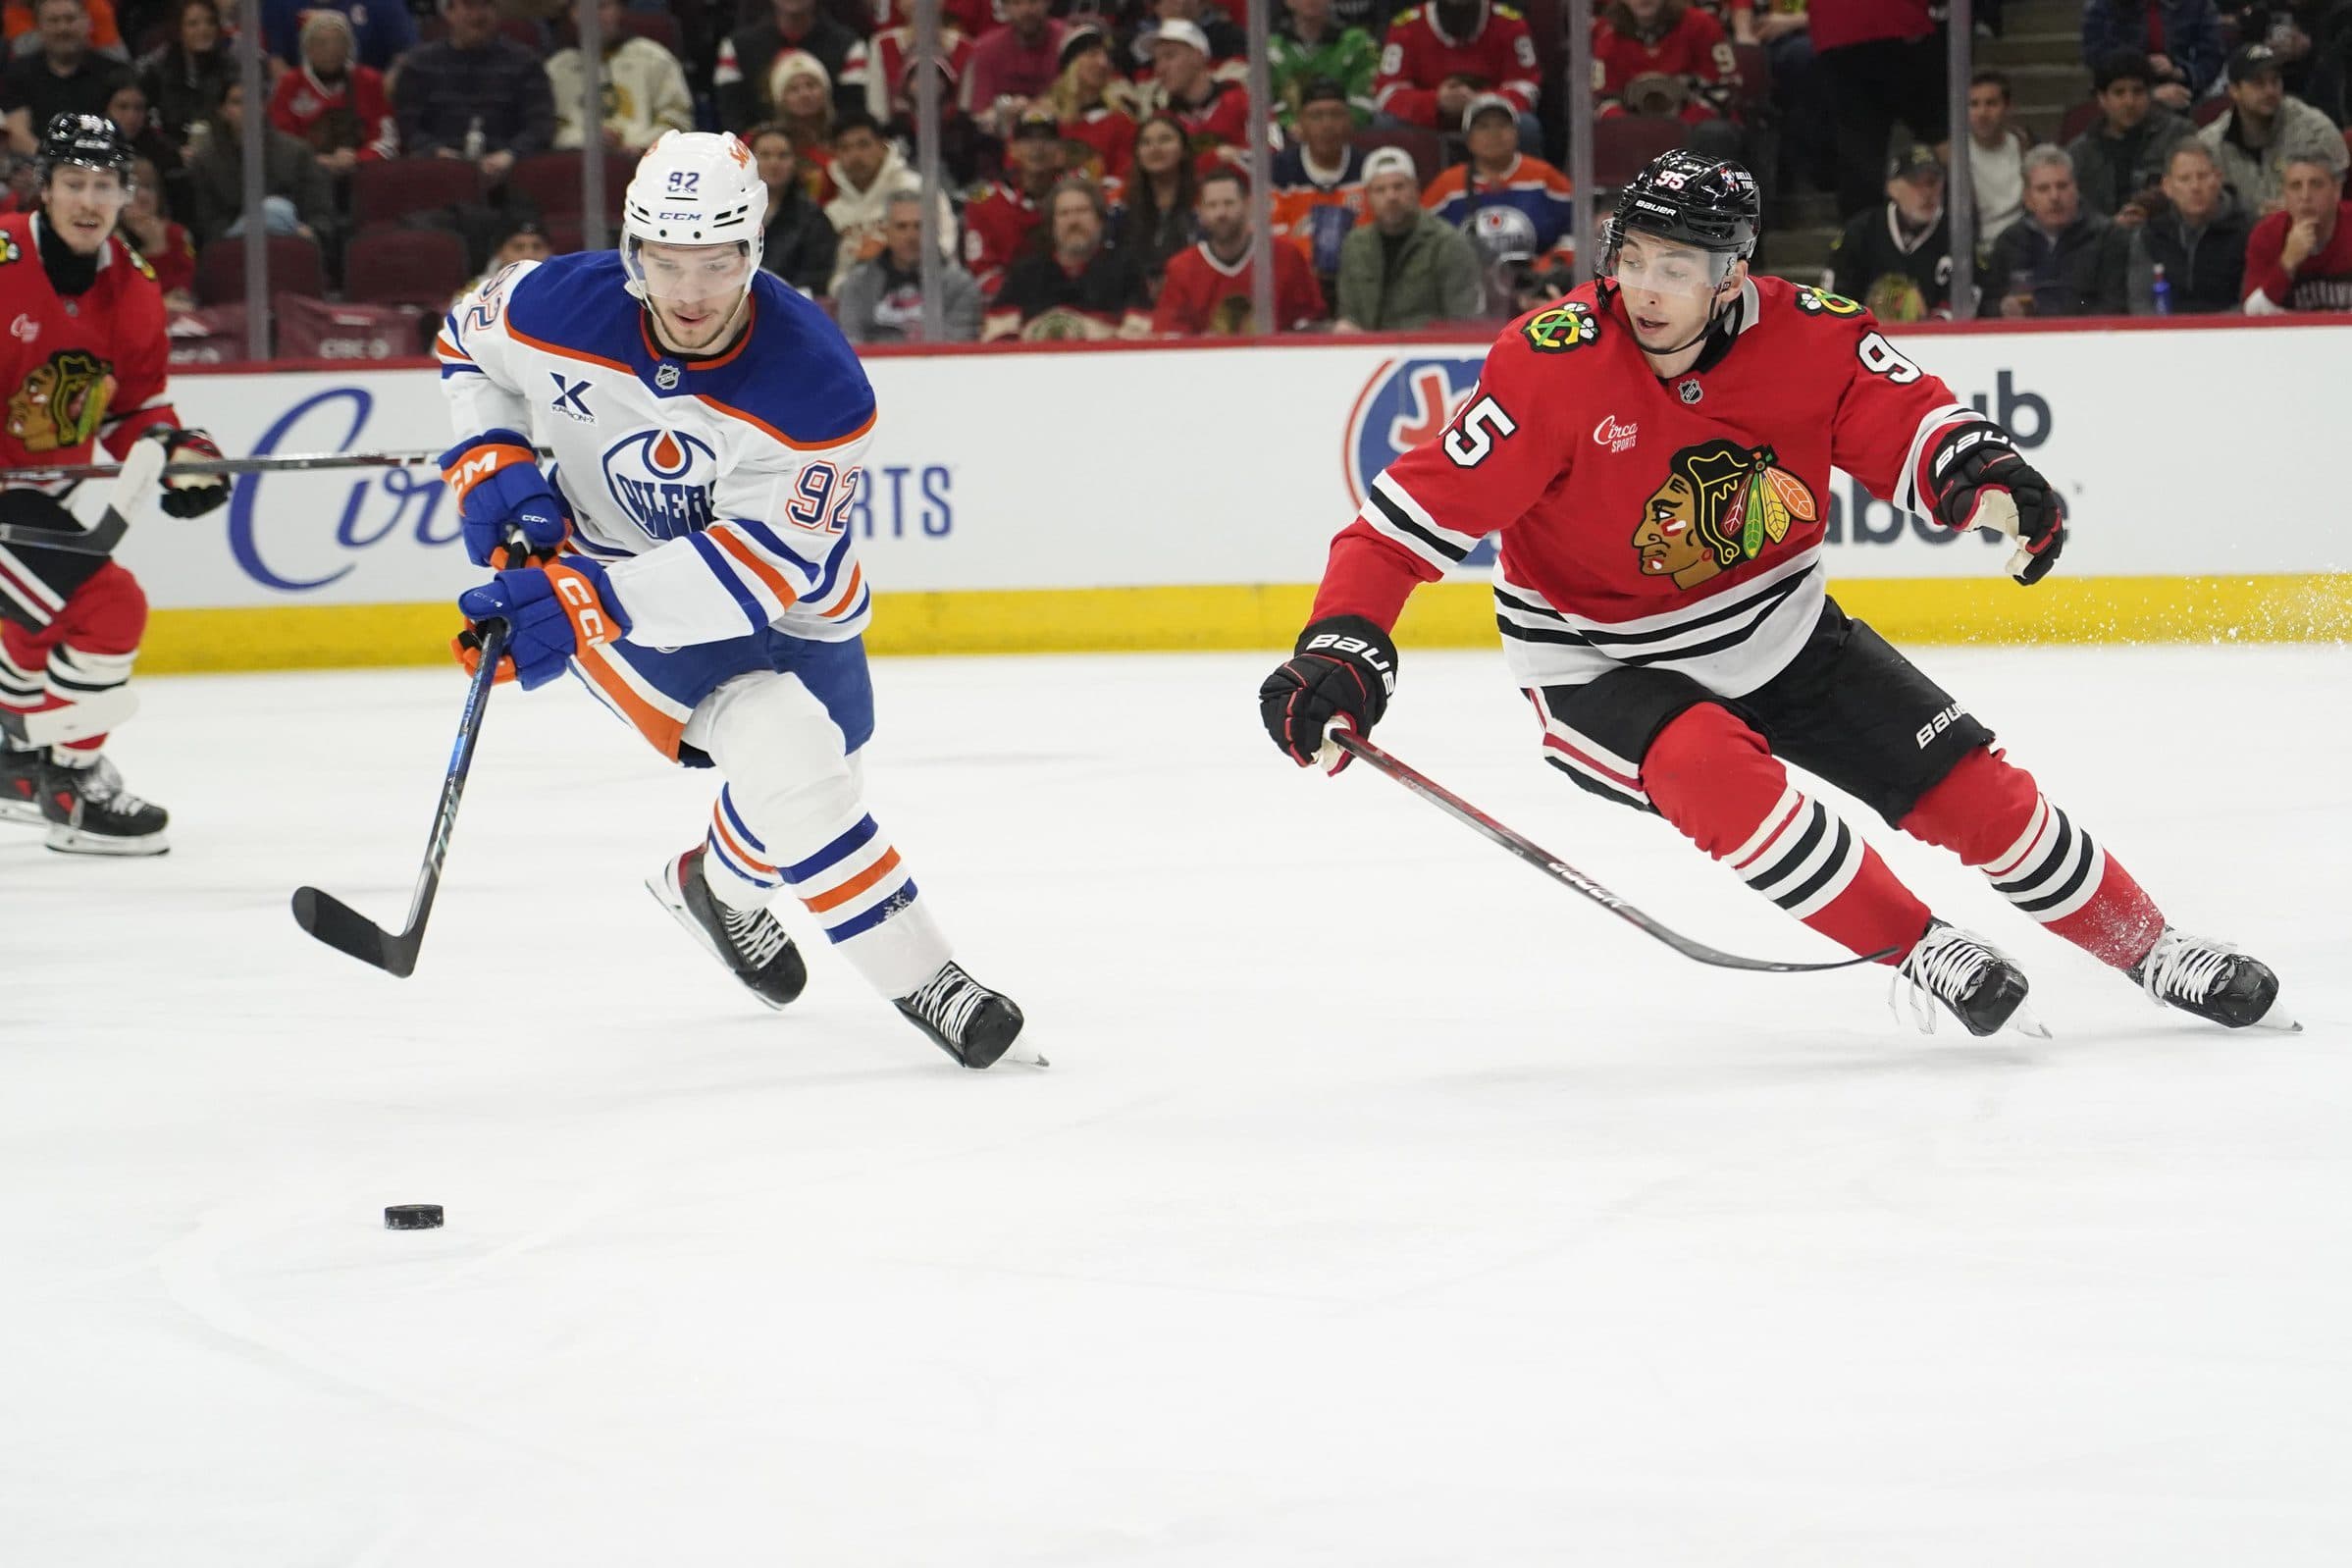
[{"x": 1673, "y": 523}]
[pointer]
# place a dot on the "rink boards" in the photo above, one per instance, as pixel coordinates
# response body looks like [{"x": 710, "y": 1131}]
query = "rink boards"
[{"x": 1180, "y": 496}]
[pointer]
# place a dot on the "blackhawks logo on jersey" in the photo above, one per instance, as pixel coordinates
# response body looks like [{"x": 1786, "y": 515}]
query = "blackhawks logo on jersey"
[
  {"x": 1562, "y": 327},
  {"x": 1821, "y": 303},
  {"x": 1721, "y": 503},
  {"x": 63, "y": 402}
]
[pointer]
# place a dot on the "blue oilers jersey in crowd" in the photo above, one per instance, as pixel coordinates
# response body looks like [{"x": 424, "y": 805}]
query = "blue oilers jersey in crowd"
[{"x": 717, "y": 489}]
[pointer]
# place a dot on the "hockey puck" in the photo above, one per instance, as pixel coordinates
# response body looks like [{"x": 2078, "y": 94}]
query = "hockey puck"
[{"x": 412, "y": 1217}]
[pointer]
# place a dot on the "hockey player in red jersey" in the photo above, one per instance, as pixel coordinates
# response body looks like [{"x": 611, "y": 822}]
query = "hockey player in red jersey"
[
  {"x": 1654, "y": 452},
  {"x": 83, "y": 365}
]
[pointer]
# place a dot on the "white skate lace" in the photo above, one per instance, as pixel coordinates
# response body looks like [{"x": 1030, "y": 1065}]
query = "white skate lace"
[
  {"x": 755, "y": 935},
  {"x": 947, "y": 1000},
  {"x": 2184, "y": 969},
  {"x": 102, "y": 785},
  {"x": 1942, "y": 967}
]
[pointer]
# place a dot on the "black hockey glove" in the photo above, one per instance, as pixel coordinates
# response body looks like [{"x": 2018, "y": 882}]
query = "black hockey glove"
[
  {"x": 192, "y": 495},
  {"x": 1977, "y": 479},
  {"x": 1345, "y": 669}
]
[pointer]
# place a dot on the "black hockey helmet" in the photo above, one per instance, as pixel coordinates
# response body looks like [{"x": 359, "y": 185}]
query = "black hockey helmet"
[
  {"x": 1710, "y": 203},
  {"x": 91, "y": 140}
]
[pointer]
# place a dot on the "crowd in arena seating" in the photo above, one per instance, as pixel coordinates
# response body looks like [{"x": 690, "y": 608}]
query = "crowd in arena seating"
[{"x": 1094, "y": 155}]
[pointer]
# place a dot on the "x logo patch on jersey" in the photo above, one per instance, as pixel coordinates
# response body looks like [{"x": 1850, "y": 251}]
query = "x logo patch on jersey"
[{"x": 571, "y": 397}]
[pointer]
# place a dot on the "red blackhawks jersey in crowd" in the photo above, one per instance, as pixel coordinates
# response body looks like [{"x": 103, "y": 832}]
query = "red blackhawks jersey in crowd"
[
  {"x": 352, "y": 112},
  {"x": 1420, "y": 56},
  {"x": 997, "y": 226},
  {"x": 79, "y": 369},
  {"x": 1203, "y": 296},
  {"x": 1672, "y": 524},
  {"x": 1686, "y": 43}
]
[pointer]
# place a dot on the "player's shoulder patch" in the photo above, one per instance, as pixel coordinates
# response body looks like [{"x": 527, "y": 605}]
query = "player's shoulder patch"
[
  {"x": 1508, "y": 13},
  {"x": 1816, "y": 301},
  {"x": 10, "y": 250},
  {"x": 1563, "y": 328},
  {"x": 1405, "y": 18},
  {"x": 141, "y": 262}
]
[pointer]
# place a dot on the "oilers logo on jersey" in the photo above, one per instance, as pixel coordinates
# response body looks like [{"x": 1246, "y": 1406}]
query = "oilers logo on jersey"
[{"x": 662, "y": 480}]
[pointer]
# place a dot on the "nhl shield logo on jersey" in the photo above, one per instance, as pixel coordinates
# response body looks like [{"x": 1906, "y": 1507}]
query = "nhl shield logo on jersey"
[
  {"x": 63, "y": 401},
  {"x": 662, "y": 481},
  {"x": 1407, "y": 403},
  {"x": 1720, "y": 506}
]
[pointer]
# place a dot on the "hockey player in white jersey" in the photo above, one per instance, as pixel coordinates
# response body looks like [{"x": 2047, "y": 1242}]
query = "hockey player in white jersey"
[{"x": 692, "y": 564}]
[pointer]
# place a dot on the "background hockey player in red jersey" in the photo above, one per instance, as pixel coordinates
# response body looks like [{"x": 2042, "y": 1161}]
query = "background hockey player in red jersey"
[
  {"x": 1654, "y": 452},
  {"x": 81, "y": 365}
]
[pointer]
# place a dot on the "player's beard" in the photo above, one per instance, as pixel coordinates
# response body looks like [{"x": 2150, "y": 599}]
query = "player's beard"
[{"x": 720, "y": 336}]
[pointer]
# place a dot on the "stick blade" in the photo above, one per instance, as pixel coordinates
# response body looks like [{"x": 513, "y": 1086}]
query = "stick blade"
[{"x": 346, "y": 930}]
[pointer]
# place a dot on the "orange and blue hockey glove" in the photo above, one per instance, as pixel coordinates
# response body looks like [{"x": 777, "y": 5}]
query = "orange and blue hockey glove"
[
  {"x": 551, "y": 613},
  {"x": 500, "y": 492}
]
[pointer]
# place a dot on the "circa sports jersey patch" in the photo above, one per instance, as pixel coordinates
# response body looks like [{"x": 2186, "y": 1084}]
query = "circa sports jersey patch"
[
  {"x": 1821, "y": 303},
  {"x": 1562, "y": 327},
  {"x": 662, "y": 478},
  {"x": 63, "y": 401},
  {"x": 1720, "y": 505}
]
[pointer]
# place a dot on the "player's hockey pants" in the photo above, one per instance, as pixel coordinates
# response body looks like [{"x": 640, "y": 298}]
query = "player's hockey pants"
[{"x": 69, "y": 629}]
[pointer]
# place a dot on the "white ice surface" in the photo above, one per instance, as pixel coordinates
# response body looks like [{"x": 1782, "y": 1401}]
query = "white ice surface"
[{"x": 1386, "y": 1205}]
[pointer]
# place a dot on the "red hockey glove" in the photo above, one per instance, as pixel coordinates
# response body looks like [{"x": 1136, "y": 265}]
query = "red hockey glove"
[
  {"x": 1977, "y": 479},
  {"x": 1344, "y": 670},
  {"x": 190, "y": 495}
]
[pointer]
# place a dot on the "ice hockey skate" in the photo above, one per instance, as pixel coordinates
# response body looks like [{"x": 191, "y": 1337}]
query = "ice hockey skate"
[
  {"x": 965, "y": 1019},
  {"x": 1970, "y": 978},
  {"x": 89, "y": 813},
  {"x": 2213, "y": 980},
  {"x": 755, "y": 949}
]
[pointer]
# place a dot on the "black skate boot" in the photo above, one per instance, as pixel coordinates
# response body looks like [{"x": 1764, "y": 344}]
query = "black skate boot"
[
  {"x": 1981, "y": 987},
  {"x": 2212, "y": 980},
  {"x": 751, "y": 945},
  {"x": 964, "y": 1017},
  {"x": 89, "y": 813},
  {"x": 20, "y": 788}
]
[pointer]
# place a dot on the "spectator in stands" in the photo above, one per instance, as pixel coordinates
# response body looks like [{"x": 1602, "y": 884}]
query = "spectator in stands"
[
  {"x": 2119, "y": 161},
  {"x": 2328, "y": 87},
  {"x": 299, "y": 198},
  {"x": 1784, "y": 33},
  {"x": 381, "y": 32},
  {"x": 803, "y": 98},
  {"x": 1001, "y": 221},
  {"x": 739, "y": 81},
  {"x": 1667, "y": 58},
  {"x": 2181, "y": 38},
  {"x": 184, "y": 75},
  {"x": 868, "y": 172},
  {"x": 523, "y": 240},
  {"x": 2197, "y": 236},
  {"x": 1319, "y": 180},
  {"x": 1498, "y": 175},
  {"x": 1207, "y": 287},
  {"x": 1158, "y": 198},
  {"x": 2287, "y": 29},
  {"x": 1438, "y": 56},
  {"x": 890, "y": 81},
  {"x": 1092, "y": 103},
  {"x": 334, "y": 103},
  {"x": 1225, "y": 42},
  {"x": 165, "y": 244},
  {"x": 63, "y": 75},
  {"x": 960, "y": 141},
  {"x": 1996, "y": 157},
  {"x": 2263, "y": 130},
  {"x": 1213, "y": 111},
  {"x": 1013, "y": 67},
  {"x": 1309, "y": 45},
  {"x": 881, "y": 301},
  {"x": 2058, "y": 260},
  {"x": 127, "y": 109},
  {"x": 644, "y": 88},
  {"x": 2300, "y": 258},
  {"x": 22, "y": 28},
  {"x": 1898, "y": 260},
  {"x": 1408, "y": 268},
  {"x": 799, "y": 245},
  {"x": 1882, "y": 61},
  {"x": 474, "y": 95},
  {"x": 1079, "y": 288}
]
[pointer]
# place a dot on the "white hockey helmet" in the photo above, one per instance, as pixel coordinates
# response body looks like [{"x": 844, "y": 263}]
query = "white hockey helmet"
[{"x": 693, "y": 187}]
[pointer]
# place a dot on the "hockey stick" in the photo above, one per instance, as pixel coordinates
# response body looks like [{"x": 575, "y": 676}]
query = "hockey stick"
[
  {"x": 340, "y": 926},
  {"x": 216, "y": 468},
  {"x": 1526, "y": 849}
]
